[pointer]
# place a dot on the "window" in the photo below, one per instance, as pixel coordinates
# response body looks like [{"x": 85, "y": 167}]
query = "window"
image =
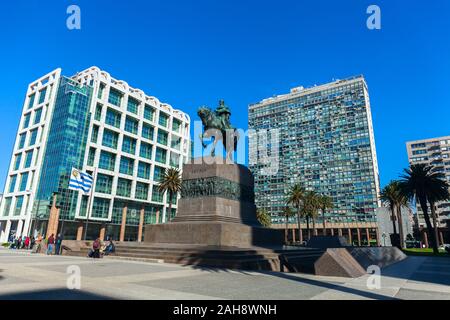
[
  {"x": 31, "y": 101},
  {"x": 418, "y": 145},
  {"x": 149, "y": 112},
  {"x": 113, "y": 118},
  {"x": 100, "y": 91},
  {"x": 91, "y": 157},
  {"x": 115, "y": 97},
  {"x": 107, "y": 161},
  {"x": 157, "y": 196},
  {"x": 98, "y": 112},
  {"x": 28, "y": 159},
  {"x": 129, "y": 145},
  {"x": 103, "y": 183},
  {"x": 158, "y": 173},
  {"x": 147, "y": 132},
  {"x": 94, "y": 136},
  {"x": 146, "y": 150},
  {"x": 42, "y": 94},
  {"x": 110, "y": 139},
  {"x": 17, "y": 161},
  {"x": 26, "y": 121},
  {"x": 37, "y": 116},
  {"x": 174, "y": 159},
  {"x": 7, "y": 207},
  {"x": 12, "y": 184},
  {"x": 141, "y": 191},
  {"x": 36, "y": 159},
  {"x": 124, "y": 187},
  {"x": 162, "y": 137},
  {"x": 22, "y": 139},
  {"x": 143, "y": 170},
  {"x": 83, "y": 206},
  {"x": 23, "y": 181},
  {"x": 131, "y": 125},
  {"x": 160, "y": 155},
  {"x": 176, "y": 125},
  {"x": 163, "y": 119},
  {"x": 100, "y": 208},
  {"x": 19, "y": 204},
  {"x": 126, "y": 166},
  {"x": 175, "y": 142},
  {"x": 133, "y": 105},
  {"x": 33, "y": 137}
]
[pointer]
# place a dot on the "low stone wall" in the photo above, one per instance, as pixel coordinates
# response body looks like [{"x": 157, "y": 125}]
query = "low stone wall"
[{"x": 353, "y": 261}]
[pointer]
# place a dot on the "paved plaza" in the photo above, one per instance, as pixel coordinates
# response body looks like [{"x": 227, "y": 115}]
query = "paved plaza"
[{"x": 27, "y": 276}]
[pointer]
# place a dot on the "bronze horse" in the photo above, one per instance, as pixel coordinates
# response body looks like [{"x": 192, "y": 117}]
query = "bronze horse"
[{"x": 216, "y": 128}]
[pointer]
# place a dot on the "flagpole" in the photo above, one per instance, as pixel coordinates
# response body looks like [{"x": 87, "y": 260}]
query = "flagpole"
[{"x": 88, "y": 211}]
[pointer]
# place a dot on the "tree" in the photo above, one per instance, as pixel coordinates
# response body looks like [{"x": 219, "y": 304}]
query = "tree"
[
  {"x": 325, "y": 202},
  {"x": 264, "y": 217},
  {"x": 388, "y": 197},
  {"x": 295, "y": 198},
  {"x": 421, "y": 183},
  {"x": 287, "y": 213},
  {"x": 440, "y": 194},
  {"x": 402, "y": 201},
  {"x": 311, "y": 205},
  {"x": 170, "y": 183}
]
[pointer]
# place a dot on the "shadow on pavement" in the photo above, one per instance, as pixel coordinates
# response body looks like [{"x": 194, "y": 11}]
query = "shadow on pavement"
[
  {"x": 54, "y": 294},
  {"x": 333, "y": 286},
  {"x": 434, "y": 270}
]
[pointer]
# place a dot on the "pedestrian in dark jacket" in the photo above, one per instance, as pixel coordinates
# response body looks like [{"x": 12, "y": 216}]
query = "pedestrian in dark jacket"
[{"x": 58, "y": 243}]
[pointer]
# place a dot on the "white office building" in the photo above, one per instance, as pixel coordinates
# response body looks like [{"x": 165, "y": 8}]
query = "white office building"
[
  {"x": 97, "y": 124},
  {"x": 436, "y": 153}
]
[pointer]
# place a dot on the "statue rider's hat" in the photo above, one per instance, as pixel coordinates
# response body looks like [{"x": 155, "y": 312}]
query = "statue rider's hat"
[{"x": 222, "y": 108}]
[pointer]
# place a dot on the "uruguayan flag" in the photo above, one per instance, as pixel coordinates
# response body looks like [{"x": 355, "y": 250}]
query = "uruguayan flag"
[{"x": 80, "y": 181}]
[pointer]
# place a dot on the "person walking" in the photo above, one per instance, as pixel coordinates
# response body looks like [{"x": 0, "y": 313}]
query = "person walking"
[
  {"x": 32, "y": 242},
  {"x": 50, "y": 244},
  {"x": 27, "y": 243},
  {"x": 37, "y": 249},
  {"x": 58, "y": 243}
]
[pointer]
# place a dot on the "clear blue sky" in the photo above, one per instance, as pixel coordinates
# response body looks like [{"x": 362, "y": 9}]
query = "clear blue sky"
[{"x": 190, "y": 53}]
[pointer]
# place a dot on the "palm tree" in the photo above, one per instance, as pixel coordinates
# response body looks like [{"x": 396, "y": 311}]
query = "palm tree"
[
  {"x": 420, "y": 182},
  {"x": 311, "y": 207},
  {"x": 263, "y": 217},
  {"x": 440, "y": 194},
  {"x": 295, "y": 198},
  {"x": 325, "y": 202},
  {"x": 401, "y": 201},
  {"x": 170, "y": 183},
  {"x": 287, "y": 212},
  {"x": 388, "y": 196}
]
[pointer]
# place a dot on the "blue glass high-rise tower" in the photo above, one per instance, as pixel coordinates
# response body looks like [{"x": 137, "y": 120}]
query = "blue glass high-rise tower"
[{"x": 326, "y": 143}]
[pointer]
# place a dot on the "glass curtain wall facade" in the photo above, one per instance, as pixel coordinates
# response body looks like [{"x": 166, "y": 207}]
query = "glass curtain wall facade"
[{"x": 326, "y": 144}]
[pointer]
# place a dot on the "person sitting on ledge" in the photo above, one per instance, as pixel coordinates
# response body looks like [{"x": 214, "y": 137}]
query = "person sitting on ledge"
[{"x": 109, "y": 247}]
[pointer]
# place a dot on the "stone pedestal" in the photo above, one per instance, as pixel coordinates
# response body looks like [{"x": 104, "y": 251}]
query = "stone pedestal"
[{"x": 217, "y": 208}]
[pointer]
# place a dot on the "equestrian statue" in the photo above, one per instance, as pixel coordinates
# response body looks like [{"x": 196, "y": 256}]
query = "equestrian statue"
[{"x": 216, "y": 125}]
